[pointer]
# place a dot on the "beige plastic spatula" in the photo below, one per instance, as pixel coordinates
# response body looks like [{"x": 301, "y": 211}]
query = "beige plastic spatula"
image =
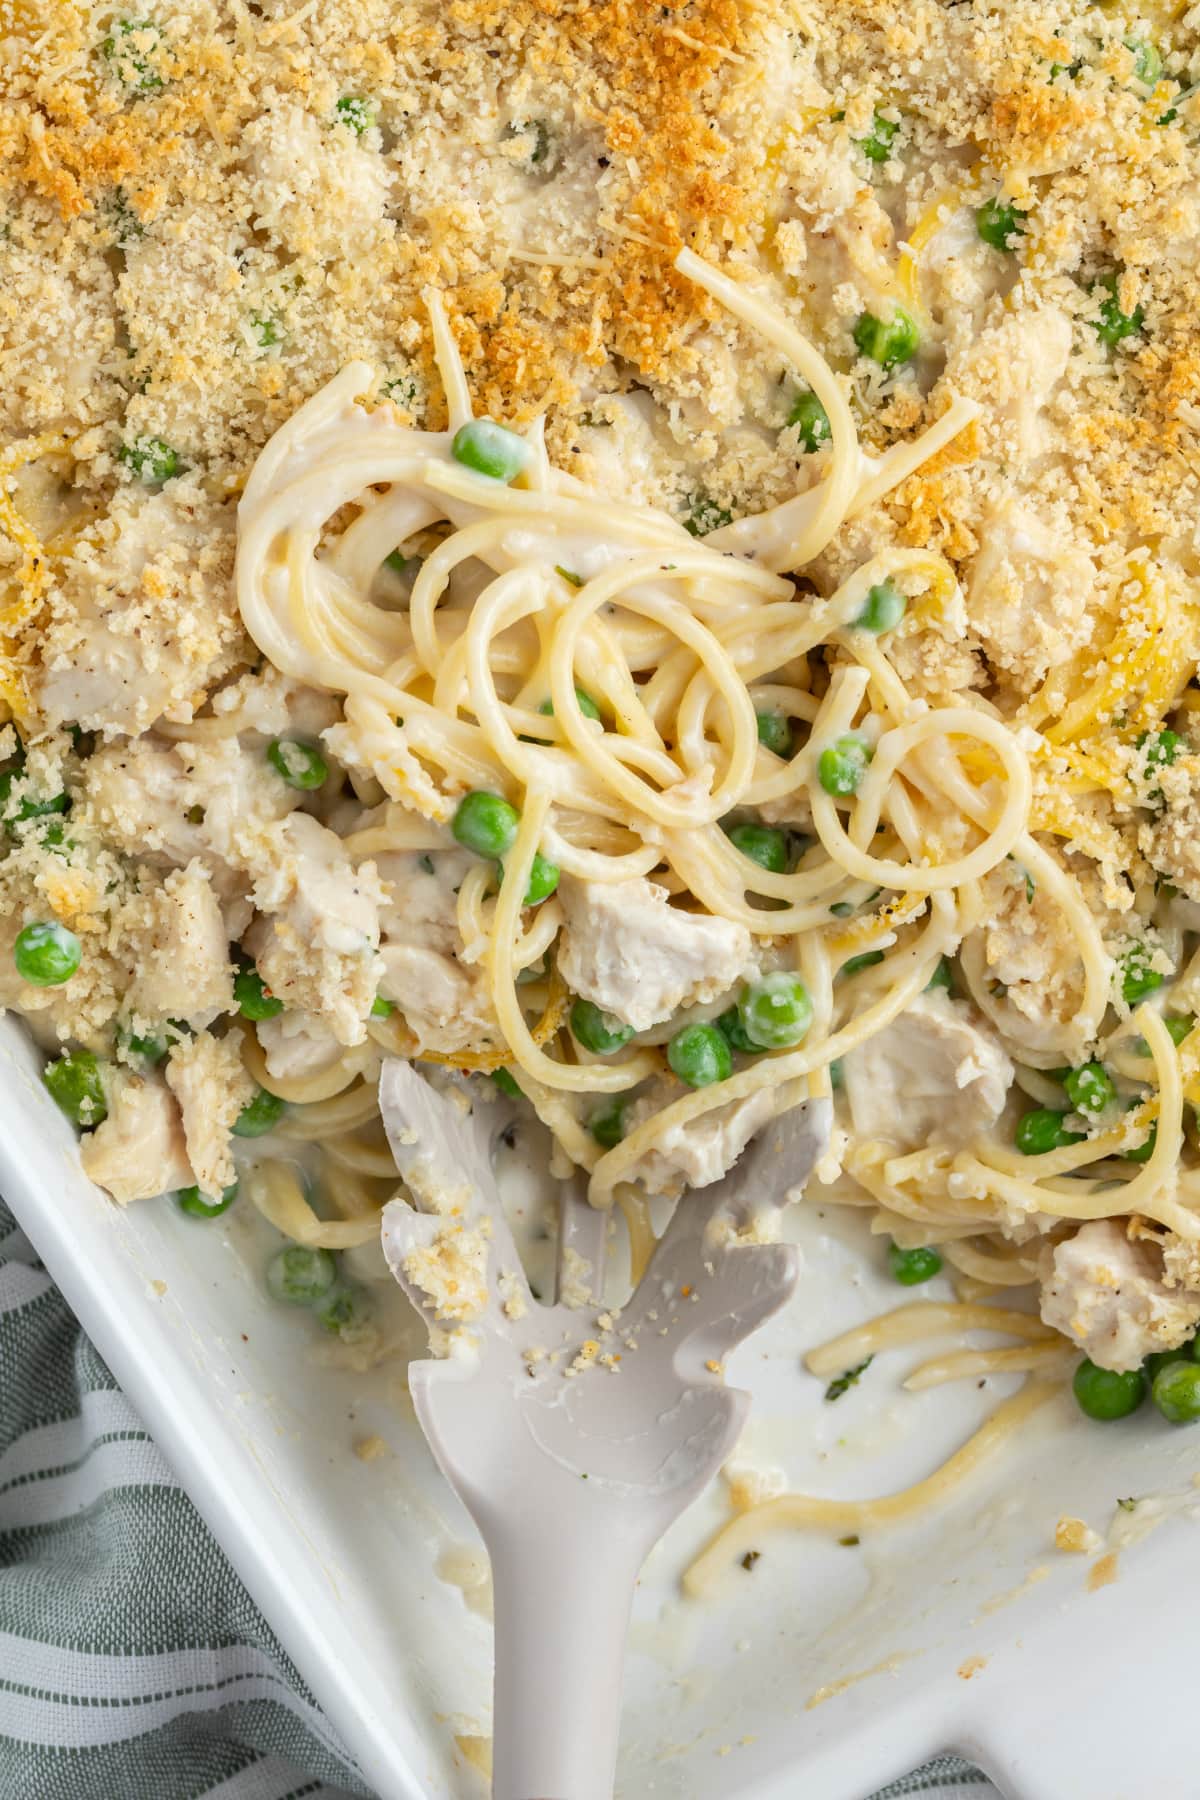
[{"x": 574, "y": 1436}]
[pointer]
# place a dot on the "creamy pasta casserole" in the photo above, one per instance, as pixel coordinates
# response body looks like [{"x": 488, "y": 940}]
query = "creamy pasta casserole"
[{"x": 644, "y": 553}]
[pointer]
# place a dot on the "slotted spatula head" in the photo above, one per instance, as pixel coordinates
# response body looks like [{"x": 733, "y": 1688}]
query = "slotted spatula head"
[{"x": 575, "y": 1436}]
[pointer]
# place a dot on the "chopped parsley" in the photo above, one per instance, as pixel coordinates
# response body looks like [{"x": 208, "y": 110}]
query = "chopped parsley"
[{"x": 850, "y": 1379}]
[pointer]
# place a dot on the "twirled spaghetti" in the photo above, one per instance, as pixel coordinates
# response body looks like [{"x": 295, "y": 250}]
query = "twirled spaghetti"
[{"x": 679, "y": 643}]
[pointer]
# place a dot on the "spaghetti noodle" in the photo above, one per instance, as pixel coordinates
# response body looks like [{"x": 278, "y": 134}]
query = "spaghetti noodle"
[{"x": 680, "y": 642}]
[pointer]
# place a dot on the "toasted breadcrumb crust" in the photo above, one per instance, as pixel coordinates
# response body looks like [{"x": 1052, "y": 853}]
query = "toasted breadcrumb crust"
[{"x": 207, "y": 207}]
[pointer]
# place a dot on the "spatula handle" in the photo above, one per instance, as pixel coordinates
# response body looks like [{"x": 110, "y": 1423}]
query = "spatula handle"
[{"x": 562, "y": 1602}]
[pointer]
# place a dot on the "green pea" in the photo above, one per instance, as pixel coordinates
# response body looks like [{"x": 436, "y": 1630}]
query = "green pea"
[
  {"x": 1090, "y": 1088},
  {"x": 254, "y": 998},
  {"x": 700, "y": 1055},
  {"x": 1176, "y": 1392},
  {"x": 883, "y": 608},
  {"x": 1042, "y": 1130},
  {"x": 887, "y": 342},
  {"x": 543, "y": 879},
  {"x": 485, "y": 823},
  {"x": 152, "y": 461},
  {"x": 775, "y": 732},
  {"x": 1108, "y": 1393},
  {"x": 877, "y": 145},
  {"x": 842, "y": 765},
  {"x": 298, "y": 1275},
  {"x": 600, "y": 1032},
  {"x": 811, "y": 421},
  {"x": 259, "y": 1115},
  {"x": 1147, "y": 60},
  {"x": 506, "y": 1081},
  {"x": 490, "y": 449},
  {"x": 911, "y": 1267},
  {"x": 999, "y": 224},
  {"x": 46, "y": 954},
  {"x": 301, "y": 765},
  {"x": 1112, "y": 325},
  {"x": 867, "y": 960},
  {"x": 607, "y": 1123},
  {"x": 763, "y": 845},
  {"x": 381, "y": 1008},
  {"x": 942, "y": 976},
  {"x": 396, "y": 561},
  {"x": 732, "y": 1030},
  {"x": 586, "y": 704},
  {"x": 76, "y": 1082},
  {"x": 1162, "y": 1359},
  {"x": 356, "y": 112},
  {"x": 704, "y": 514},
  {"x": 775, "y": 1012},
  {"x": 1137, "y": 977},
  {"x": 837, "y": 1074},
  {"x": 342, "y": 1308},
  {"x": 127, "y": 50},
  {"x": 200, "y": 1206}
]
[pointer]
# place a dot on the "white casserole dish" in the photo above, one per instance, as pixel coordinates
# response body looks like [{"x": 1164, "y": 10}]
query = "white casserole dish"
[{"x": 978, "y": 1634}]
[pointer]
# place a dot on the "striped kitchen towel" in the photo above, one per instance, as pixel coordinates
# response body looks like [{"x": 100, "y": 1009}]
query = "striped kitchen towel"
[{"x": 133, "y": 1663}]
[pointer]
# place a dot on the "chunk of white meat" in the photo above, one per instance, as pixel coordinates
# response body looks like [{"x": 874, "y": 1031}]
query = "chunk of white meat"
[
  {"x": 1181, "y": 1262},
  {"x": 241, "y": 800},
  {"x": 1014, "y": 367},
  {"x": 702, "y": 1150},
  {"x": 446, "y": 1006},
  {"x": 139, "y": 797},
  {"x": 623, "y": 454},
  {"x": 317, "y": 946},
  {"x": 624, "y": 948},
  {"x": 850, "y": 242},
  {"x": 935, "y": 1075},
  {"x": 168, "y": 804},
  {"x": 297, "y": 1045},
  {"x": 206, "y": 1076},
  {"x": 1106, "y": 1294},
  {"x": 1031, "y": 594},
  {"x": 271, "y": 703},
  {"x": 1029, "y": 951},
  {"x": 182, "y": 961},
  {"x": 144, "y": 618},
  {"x": 958, "y": 274},
  {"x": 139, "y": 1150},
  {"x": 444, "y": 998},
  {"x": 56, "y": 336}
]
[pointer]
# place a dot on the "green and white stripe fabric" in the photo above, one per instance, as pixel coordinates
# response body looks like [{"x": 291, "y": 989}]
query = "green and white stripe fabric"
[{"x": 133, "y": 1663}]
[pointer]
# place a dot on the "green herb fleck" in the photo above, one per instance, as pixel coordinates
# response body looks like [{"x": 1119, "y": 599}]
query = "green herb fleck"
[{"x": 850, "y": 1379}]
